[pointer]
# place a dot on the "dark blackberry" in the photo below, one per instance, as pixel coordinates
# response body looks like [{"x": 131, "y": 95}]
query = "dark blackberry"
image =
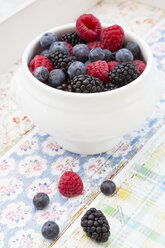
[
  {"x": 110, "y": 86},
  {"x": 61, "y": 60},
  {"x": 72, "y": 38},
  {"x": 86, "y": 84},
  {"x": 123, "y": 73},
  {"x": 95, "y": 225}
]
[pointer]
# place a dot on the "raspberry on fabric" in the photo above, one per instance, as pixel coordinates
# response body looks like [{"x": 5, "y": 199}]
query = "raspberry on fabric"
[
  {"x": 93, "y": 44},
  {"x": 140, "y": 64},
  {"x": 70, "y": 47},
  {"x": 98, "y": 69},
  {"x": 112, "y": 64},
  {"x": 88, "y": 27},
  {"x": 112, "y": 37},
  {"x": 70, "y": 184},
  {"x": 39, "y": 60}
]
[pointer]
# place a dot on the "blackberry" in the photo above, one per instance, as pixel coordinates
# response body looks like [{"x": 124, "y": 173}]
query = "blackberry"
[
  {"x": 110, "y": 86},
  {"x": 123, "y": 73},
  {"x": 95, "y": 225},
  {"x": 86, "y": 84},
  {"x": 72, "y": 38},
  {"x": 61, "y": 60}
]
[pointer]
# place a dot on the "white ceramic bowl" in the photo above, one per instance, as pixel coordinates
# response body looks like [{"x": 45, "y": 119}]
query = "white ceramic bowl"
[{"x": 86, "y": 123}]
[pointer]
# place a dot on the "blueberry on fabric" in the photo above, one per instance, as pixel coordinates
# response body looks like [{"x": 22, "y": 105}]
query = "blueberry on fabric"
[
  {"x": 108, "y": 187},
  {"x": 76, "y": 68},
  {"x": 47, "y": 39},
  {"x": 56, "y": 78},
  {"x": 133, "y": 47},
  {"x": 41, "y": 73},
  {"x": 124, "y": 55},
  {"x": 96, "y": 54},
  {"x": 81, "y": 52},
  {"x": 50, "y": 230},
  {"x": 58, "y": 45},
  {"x": 40, "y": 200}
]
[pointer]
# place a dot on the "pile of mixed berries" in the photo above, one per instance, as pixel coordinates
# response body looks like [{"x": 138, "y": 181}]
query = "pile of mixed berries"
[
  {"x": 93, "y": 222},
  {"x": 88, "y": 60}
]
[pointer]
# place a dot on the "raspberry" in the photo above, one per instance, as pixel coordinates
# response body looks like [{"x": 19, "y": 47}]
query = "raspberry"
[
  {"x": 112, "y": 64},
  {"x": 70, "y": 47},
  {"x": 112, "y": 37},
  {"x": 140, "y": 64},
  {"x": 39, "y": 60},
  {"x": 70, "y": 184},
  {"x": 98, "y": 69},
  {"x": 88, "y": 27},
  {"x": 93, "y": 44}
]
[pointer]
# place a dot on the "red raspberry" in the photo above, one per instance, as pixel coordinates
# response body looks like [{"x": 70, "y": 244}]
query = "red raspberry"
[
  {"x": 112, "y": 64},
  {"x": 39, "y": 60},
  {"x": 98, "y": 69},
  {"x": 70, "y": 47},
  {"x": 93, "y": 44},
  {"x": 140, "y": 64},
  {"x": 112, "y": 37},
  {"x": 70, "y": 184},
  {"x": 88, "y": 27}
]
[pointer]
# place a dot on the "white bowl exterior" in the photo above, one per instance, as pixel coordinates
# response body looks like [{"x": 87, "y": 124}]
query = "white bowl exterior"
[{"x": 87, "y": 123}]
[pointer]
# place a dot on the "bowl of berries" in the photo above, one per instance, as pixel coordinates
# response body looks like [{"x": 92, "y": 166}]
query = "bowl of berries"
[{"x": 87, "y": 83}]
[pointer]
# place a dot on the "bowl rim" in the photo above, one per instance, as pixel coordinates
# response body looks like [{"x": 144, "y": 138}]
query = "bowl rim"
[{"x": 51, "y": 90}]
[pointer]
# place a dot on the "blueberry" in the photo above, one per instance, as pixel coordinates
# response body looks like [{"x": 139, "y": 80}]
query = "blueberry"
[
  {"x": 76, "y": 68},
  {"x": 50, "y": 230},
  {"x": 87, "y": 63},
  {"x": 47, "y": 39},
  {"x": 40, "y": 200},
  {"x": 108, "y": 187},
  {"x": 133, "y": 47},
  {"x": 58, "y": 45},
  {"x": 45, "y": 53},
  {"x": 107, "y": 55},
  {"x": 56, "y": 78},
  {"x": 81, "y": 52},
  {"x": 96, "y": 54},
  {"x": 124, "y": 55},
  {"x": 41, "y": 73}
]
